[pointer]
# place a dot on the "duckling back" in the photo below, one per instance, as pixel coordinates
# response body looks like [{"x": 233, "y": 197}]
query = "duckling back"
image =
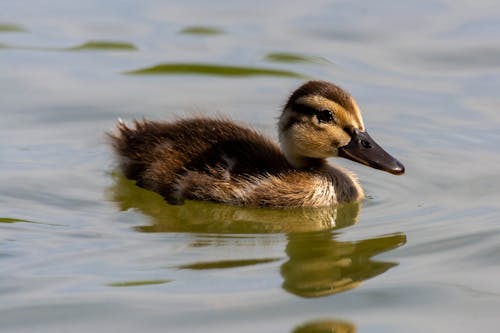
[{"x": 199, "y": 158}]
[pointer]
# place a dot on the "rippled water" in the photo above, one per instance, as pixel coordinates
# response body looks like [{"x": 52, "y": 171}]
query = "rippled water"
[{"x": 82, "y": 248}]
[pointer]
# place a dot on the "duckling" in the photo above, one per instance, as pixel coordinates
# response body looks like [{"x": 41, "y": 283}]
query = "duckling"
[{"x": 217, "y": 160}]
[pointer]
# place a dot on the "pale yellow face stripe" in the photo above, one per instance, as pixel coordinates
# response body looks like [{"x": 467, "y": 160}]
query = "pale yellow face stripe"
[
  {"x": 357, "y": 114},
  {"x": 342, "y": 116}
]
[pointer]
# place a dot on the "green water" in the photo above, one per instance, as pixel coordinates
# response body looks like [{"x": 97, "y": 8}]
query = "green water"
[{"x": 83, "y": 249}]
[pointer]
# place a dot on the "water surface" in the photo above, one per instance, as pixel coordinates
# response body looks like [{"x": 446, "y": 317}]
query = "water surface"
[{"x": 83, "y": 248}]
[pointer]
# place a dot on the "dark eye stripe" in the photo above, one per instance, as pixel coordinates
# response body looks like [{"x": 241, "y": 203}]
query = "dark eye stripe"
[
  {"x": 322, "y": 115},
  {"x": 304, "y": 109}
]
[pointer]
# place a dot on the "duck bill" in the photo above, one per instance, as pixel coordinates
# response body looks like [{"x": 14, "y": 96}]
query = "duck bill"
[{"x": 363, "y": 149}]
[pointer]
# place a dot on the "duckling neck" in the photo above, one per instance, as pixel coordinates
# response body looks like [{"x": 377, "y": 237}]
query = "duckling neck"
[
  {"x": 346, "y": 184},
  {"x": 303, "y": 162}
]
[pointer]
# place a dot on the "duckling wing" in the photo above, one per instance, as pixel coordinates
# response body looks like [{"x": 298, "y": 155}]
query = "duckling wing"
[{"x": 159, "y": 155}]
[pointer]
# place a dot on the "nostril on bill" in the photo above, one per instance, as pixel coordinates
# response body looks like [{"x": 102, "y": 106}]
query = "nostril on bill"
[{"x": 366, "y": 144}]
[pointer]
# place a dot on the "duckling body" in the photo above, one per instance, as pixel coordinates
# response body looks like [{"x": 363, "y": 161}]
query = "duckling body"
[{"x": 218, "y": 160}]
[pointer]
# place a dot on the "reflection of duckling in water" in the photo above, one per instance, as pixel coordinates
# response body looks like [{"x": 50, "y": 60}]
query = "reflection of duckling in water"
[
  {"x": 218, "y": 160},
  {"x": 319, "y": 265}
]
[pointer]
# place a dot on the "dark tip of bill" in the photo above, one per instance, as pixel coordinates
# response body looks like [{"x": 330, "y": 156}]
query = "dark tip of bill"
[{"x": 398, "y": 170}]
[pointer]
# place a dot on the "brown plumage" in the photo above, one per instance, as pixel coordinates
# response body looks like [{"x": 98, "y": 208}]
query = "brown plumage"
[{"x": 218, "y": 160}]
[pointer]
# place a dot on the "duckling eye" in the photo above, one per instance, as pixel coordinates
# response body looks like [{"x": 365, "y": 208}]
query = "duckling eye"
[{"x": 324, "y": 116}]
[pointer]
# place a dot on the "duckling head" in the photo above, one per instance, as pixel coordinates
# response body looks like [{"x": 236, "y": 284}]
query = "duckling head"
[{"x": 322, "y": 120}]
